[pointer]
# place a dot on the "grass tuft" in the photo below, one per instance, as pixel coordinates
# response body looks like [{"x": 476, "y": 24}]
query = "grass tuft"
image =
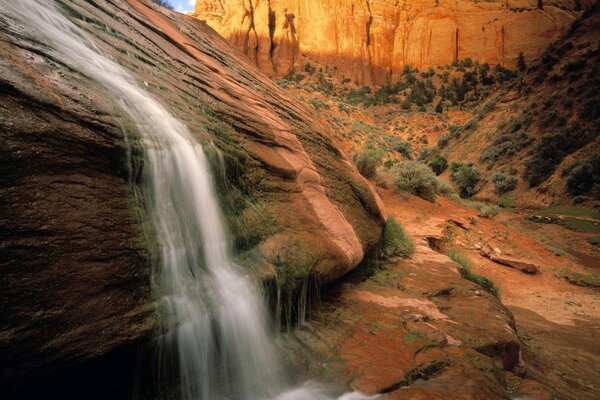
[
  {"x": 468, "y": 274},
  {"x": 395, "y": 242},
  {"x": 576, "y": 278}
]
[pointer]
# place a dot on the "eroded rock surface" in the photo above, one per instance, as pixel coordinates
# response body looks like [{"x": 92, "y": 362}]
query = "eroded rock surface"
[
  {"x": 75, "y": 264},
  {"x": 369, "y": 41}
]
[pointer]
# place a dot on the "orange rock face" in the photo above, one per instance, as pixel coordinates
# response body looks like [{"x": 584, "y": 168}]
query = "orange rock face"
[{"x": 371, "y": 40}]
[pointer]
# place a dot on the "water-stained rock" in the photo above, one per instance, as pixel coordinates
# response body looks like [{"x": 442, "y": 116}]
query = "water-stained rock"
[{"x": 75, "y": 256}]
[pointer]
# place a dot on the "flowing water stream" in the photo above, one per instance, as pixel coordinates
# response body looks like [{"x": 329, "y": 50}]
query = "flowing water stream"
[{"x": 214, "y": 321}]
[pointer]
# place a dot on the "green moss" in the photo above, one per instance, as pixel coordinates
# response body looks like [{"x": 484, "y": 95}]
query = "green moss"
[
  {"x": 580, "y": 225},
  {"x": 413, "y": 336},
  {"x": 469, "y": 275},
  {"x": 395, "y": 242},
  {"x": 506, "y": 202},
  {"x": 576, "y": 278},
  {"x": 297, "y": 291}
]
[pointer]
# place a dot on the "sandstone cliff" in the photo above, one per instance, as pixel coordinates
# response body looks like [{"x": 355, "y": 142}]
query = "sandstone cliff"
[
  {"x": 369, "y": 41},
  {"x": 74, "y": 281}
]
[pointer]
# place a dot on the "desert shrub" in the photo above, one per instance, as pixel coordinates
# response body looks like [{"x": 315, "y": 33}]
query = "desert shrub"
[
  {"x": 367, "y": 161},
  {"x": 394, "y": 241},
  {"x": 309, "y": 68},
  {"x": 397, "y": 144},
  {"x": 503, "y": 182},
  {"x": 551, "y": 150},
  {"x": 576, "y": 65},
  {"x": 489, "y": 211},
  {"x": 318, "y": 104},
  {"x": 505, "y": 145},
  {"x": 584, "y": 176},
  {"x": 426, "y": 152},
  {"x": 465, "y": 177},
  {"x": 438, "y": 164},
  {"x": 416, "y": 178},
  {"x": 590, "y": 109},
  {"x": 468, "y": 274}
]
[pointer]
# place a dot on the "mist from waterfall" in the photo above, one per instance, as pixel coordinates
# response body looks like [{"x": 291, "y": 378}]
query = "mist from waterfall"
[{"x": 214, "y": 322}]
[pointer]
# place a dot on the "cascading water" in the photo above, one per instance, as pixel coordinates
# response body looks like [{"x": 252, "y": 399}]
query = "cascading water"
[{"x": 214, "y": 321}]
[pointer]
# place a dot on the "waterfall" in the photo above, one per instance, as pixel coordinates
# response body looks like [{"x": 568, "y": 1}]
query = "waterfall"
[{"x": 213, "y": 320}]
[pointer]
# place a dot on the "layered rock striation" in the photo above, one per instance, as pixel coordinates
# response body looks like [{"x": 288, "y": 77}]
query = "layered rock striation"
[
  {"x": 75, "y": 247},
  {"x": 371, "y": 40}
]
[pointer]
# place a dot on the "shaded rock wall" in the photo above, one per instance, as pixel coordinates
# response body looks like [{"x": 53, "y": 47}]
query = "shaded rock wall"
[
  {"x": 370, "y": 40},
  {"x": 74, "y": 280}
]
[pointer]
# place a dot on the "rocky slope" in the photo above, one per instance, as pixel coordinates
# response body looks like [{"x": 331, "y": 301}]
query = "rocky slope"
[
  {"x": 75, "y": 265},
  {"x": 369, "y": 41},
  {"x": 542, "y": 130}
]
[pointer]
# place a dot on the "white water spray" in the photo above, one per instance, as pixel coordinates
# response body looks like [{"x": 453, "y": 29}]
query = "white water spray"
[{"x": 214, "y": 322}]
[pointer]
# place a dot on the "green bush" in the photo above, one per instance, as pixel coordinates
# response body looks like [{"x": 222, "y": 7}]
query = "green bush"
[
  {"x": 367, "y": 161},
  {"x": 504, "y": 146},
  {"x": 465, "y": 177},
  {"x": 503, "y": 182},
  {"x": 416, "y": 178},
  {"x": 584, "y": 176},
  {"x": 394, "y": 241},
  {"x": 551, "y": 150},
  {"x": 438, "y": 164},
  {"x": 467, "y": 273}
]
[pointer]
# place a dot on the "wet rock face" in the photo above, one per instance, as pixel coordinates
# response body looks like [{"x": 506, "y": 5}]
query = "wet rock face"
[
  {"x": 371, "y": 40},
  {"x": 75, "y": 264}
]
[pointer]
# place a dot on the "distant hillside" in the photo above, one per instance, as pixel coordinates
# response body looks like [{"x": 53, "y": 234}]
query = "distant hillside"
[{"x": 541, "y": 134}]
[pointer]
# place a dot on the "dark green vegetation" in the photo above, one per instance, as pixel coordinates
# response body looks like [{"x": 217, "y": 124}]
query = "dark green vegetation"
[
  {"x": 438, "y": 164},
  {"x": 465, "y": 177},
  {"x": 464, "y": 83},
  {"x": 584, "y": 177},
  {"x": 468, "y": 274},
  {"x": 395, "y": 242}
]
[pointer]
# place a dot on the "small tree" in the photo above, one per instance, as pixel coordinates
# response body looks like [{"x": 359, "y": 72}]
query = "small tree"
[
  {"x": 521, "y": 65},
  {"x": 465, "y": 177},
  {"x": 439, "y": 164},
  {"x": 439, "y": 108}
]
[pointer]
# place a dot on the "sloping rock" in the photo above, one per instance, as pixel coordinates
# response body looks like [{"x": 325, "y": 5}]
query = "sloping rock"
[
  {"x": 522, "y": 265},
  {"x": 370, "y": 40},
  {"x": 74, "y": 261}
]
